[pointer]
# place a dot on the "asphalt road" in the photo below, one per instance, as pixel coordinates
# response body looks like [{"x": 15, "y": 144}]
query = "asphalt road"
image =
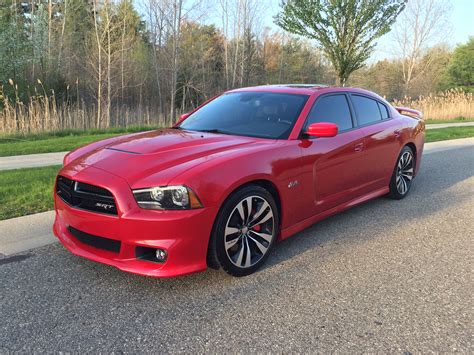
[{"x": 388, "y": 276}]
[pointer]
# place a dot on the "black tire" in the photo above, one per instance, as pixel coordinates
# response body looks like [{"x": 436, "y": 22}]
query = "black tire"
[
  {"x": 246, "y": 240},
  {"x": 403, "y": 174}
]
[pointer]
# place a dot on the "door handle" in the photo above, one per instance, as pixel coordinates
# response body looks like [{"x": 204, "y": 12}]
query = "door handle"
[
  {"x": 359, "y": 147},
  {"x": 397, "y": 133}
]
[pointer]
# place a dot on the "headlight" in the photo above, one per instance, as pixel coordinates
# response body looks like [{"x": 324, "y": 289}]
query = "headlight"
[{"x": 167, "y": 198}]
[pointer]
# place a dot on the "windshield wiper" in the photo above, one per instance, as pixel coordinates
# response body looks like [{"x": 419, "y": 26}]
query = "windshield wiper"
[{"x": 213, "y": 130}]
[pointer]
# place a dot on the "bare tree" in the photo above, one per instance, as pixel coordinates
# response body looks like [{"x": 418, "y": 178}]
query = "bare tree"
[
  {"x": 243, "y": 17},
  {"x": 422, "y": 24},
  {"x": 97, "y": 64}
]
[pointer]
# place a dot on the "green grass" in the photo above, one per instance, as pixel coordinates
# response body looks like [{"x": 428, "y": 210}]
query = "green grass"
[
  {"x": 26, "y": 191},
  {"x": 456, "y": 120},
  {"x": 57, "y": 141},
  {"x": 441, "y": 134}
]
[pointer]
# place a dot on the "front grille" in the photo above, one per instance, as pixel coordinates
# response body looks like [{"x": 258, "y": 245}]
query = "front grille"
[
  {"x": 84, "y": 196},
  {"x": 95, "y": 241}
]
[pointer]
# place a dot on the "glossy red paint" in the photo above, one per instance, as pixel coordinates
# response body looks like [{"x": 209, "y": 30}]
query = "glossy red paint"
[
  {"x": 331, "y": 174},
  {"x": 322, "y": 129}
]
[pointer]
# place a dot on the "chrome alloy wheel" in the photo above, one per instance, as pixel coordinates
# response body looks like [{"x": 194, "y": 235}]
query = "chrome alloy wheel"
[
  {"x": 249, "y": 231},
  {"x": 404, "y": 174}
]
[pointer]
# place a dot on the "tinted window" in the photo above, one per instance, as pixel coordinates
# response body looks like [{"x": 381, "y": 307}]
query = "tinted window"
[
  {"x": 383, "y": 111},
  {"x": 367, "y": 109},
  {"x": 334, "y": 109},
  {"x": 257, "y": 114}
]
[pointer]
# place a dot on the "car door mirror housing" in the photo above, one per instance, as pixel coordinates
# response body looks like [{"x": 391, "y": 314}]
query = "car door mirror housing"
[{"x": 322, "y": 129}]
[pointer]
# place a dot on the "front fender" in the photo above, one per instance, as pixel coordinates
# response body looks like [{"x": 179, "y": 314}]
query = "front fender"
[{"x": 214, "y": 180}]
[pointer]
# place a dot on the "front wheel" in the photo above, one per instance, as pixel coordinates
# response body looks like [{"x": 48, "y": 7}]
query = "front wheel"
[
  {"x": 403, "y": 174},
  {"x": 245, "y": 231}
]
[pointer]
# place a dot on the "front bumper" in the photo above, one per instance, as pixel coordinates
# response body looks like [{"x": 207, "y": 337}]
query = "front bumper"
[{"x": 183, "y": 234}]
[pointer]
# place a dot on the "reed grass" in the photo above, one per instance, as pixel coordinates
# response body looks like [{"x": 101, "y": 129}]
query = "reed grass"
[
  {"x": 44, "y": 112},
  {"x": 448, "y": 105}
]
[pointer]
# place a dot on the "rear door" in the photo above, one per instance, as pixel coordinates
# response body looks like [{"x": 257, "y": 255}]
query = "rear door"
[
  {"x": 381, "y": 140},
  {"x": 332, "y": 164}
]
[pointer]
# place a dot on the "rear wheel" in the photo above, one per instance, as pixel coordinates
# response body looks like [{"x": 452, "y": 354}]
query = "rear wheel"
[
  {"x": 403, "y": 174},
  {"x": 245, "y": 231}
]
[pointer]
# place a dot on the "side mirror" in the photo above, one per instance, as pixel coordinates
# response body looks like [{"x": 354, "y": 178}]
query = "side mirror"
[{"x": 322, "y": 129}]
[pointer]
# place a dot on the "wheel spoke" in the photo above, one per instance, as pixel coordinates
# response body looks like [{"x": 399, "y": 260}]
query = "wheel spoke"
[
  {"x": 230, "y": 243},
  {"x": 259, "y": 245},
  {"x": 267, "y": 216},
  {"x": 248, "y": 258},
  {"x": 230, "y": 230},
  {"x": 262, "y": 209},
  {"x": 407, "y": 160},
  {"x": 249, "y": 209},
  {"x": 404, "y": 185},
  {"x": 267, "y": 237},
  {"x": 240, "y": 208},
  {"x": 241, "y": 255}
]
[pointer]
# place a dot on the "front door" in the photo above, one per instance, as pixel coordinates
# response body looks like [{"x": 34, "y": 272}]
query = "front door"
[{"x": 333, "y": 165}]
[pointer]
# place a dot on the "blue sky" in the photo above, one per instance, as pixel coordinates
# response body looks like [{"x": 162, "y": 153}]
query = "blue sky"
[{"x": 462, "y": 24}]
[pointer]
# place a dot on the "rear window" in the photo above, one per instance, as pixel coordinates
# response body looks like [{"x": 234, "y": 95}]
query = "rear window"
[
  {"x": 334, "y": 109},
  {"x": 367, "y": 110},
  {"x": 383, "y": 111}
]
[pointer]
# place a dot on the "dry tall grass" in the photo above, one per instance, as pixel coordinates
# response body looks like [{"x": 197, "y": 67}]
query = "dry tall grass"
[
  {"x": 447, "y": 105},
  {"x": 43, "y": 113}
]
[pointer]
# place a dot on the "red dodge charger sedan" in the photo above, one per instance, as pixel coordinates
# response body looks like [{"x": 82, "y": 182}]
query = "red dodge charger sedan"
[{"x": 245, "y": 169}]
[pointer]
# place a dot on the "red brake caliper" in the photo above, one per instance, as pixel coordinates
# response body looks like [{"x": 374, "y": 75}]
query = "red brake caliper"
[{"x": 257, "y": 228}]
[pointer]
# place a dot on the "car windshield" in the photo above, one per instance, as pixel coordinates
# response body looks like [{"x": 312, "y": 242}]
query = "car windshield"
[{"x": 254, "y": 114}]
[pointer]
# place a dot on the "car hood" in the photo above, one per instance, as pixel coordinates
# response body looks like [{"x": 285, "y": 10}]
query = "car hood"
[{"x": 156, "y": 157}]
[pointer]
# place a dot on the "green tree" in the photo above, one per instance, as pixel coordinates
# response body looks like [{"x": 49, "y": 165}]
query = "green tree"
[
  {"x": 15, "y": 48},
  {"x": 345, "y": 29},
  {"x": 460, "y": 71}
]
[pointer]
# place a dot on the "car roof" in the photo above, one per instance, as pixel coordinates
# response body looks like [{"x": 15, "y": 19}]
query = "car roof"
[{"x": 305, "y": 89}]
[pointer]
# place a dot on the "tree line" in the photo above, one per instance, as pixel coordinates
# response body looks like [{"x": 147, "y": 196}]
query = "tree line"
[{"x": 109, "y": 62}]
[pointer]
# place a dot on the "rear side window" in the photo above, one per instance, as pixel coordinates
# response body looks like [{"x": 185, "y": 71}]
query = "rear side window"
[
  {"x": 334, "y": 109},
  {"x": 367, "y": 110},
  {"x": 383, "y": 111}
]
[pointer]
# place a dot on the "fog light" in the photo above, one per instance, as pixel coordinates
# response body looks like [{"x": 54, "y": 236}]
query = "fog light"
[{"x": 161, "y": 255}]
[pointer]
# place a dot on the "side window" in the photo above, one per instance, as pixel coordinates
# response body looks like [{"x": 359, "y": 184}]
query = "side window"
[
  {"x": 367, "y": 110},
  {"x": 383, "y": 111},
  {"x": 334, "y": 109}
]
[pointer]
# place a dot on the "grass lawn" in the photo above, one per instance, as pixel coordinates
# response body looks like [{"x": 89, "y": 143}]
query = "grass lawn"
[
  {"x": 57, "y": 141},
  {"x": 26, "y": 191},
  {"x": 442, "y": 134}
]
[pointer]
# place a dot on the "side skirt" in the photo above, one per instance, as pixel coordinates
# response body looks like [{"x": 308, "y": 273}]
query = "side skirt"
[{"x": 288, "y": 232}]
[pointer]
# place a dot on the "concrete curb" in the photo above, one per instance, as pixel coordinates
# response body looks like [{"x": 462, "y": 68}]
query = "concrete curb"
[
  {"x": 434, "y": 147},
  {"x": 31, "y": 160},
  {"x": 27, "y": 232},
  {"x": 448, "y": 125}
]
